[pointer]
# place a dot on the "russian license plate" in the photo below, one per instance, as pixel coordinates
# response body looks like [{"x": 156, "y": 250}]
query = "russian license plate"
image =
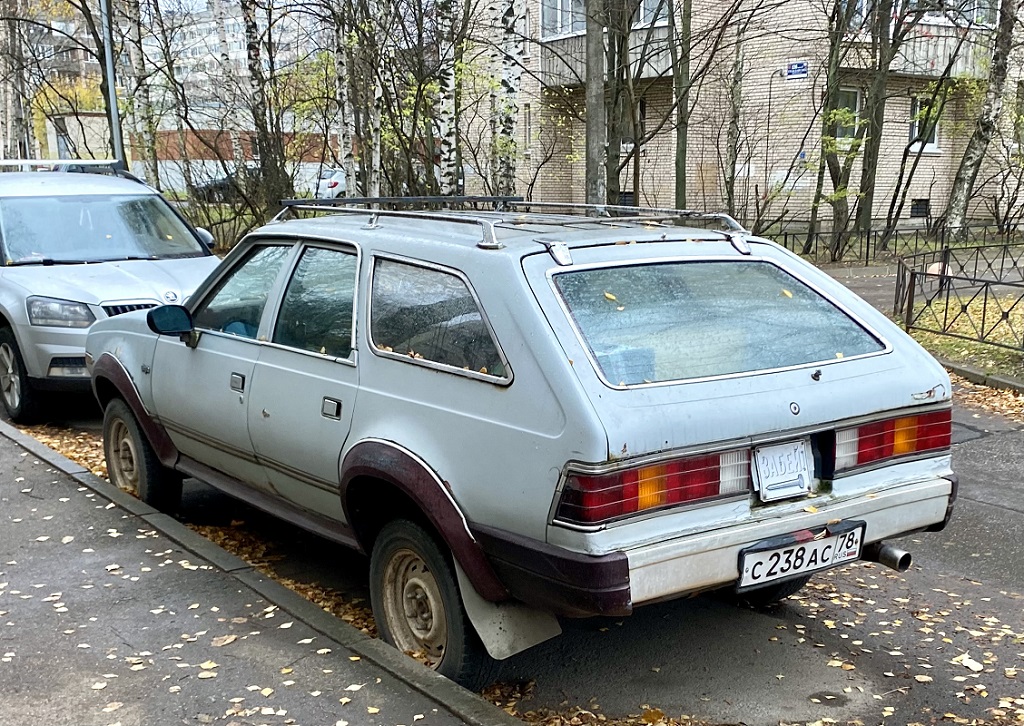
[
  {"x": 781, "y": 470},
  {"x": 798, "y": 554}
]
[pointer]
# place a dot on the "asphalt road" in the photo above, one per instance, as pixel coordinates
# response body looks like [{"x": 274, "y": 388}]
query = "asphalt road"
[{"x": 857, "y": 642}]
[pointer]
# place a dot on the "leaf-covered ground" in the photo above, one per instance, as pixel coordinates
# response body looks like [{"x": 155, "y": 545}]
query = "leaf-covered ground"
[{"x": 86, "y": 449}]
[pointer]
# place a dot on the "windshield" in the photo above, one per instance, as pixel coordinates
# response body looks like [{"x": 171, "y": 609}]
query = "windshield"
[
  {"x": 681, "y": 320},
  {"x": 92, "y": 228}
]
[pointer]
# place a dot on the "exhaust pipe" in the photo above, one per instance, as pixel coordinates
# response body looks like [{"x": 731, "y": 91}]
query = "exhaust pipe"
[{"x": 886, "y": 554}]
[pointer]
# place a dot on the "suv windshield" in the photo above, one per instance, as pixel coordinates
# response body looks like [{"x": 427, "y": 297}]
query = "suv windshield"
[
  {"x": 92, "y": 228},
  {"x": 681, "y": 320}
]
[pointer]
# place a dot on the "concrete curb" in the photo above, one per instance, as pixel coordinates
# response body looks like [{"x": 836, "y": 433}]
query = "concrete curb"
[
  {"x": 977, "y": 375},
  {"x": 462, "y": 703}
]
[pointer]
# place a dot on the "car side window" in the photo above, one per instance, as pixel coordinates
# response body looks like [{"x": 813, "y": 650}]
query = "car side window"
[
  {"x": 237, "y": 303},
  {"x": 430, "y": 315},
  {"x": 316, "y": 312}
]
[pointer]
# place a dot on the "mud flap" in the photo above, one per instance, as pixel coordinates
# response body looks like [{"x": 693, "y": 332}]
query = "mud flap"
[{"x": 505, "y": 628}]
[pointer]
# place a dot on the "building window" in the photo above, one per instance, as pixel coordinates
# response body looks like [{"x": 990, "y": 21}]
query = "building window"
[
  {"x": 527, "y": 32},
  {"x": 920, "y": 208},
  {"x": 959, "y": 12},
  {"x": 562, "y": 16},
  {"x": 527, "y": 127},
  {"x": 650, "y": 12},
  {"x": 848, "y": 106},
  {"x": 924, "y": 125},
  {"x": 1018, "y": 115},
  {"x": 856, "y": 13}
]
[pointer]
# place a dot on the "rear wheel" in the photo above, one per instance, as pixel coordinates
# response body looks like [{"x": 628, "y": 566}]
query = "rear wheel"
[
  {"x": 132, "y": 465},
  {"x": 21, "y": 401},
  {"x": 775, "y": 593},
  {"x": 417, "y": 605}
]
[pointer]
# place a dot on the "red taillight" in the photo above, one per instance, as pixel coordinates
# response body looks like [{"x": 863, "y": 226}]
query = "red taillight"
[
  {"x": 593, "y": 499},
  {"x": 881, "y": 440},
  {"x": 331, "y": 184}
]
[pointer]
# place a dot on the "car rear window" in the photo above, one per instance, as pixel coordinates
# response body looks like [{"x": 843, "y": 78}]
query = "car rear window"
[{"x": 682, "y": 320}]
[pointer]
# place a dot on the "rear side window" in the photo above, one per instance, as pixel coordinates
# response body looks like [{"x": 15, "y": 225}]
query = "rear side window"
[
  {"x": 316, "y": 312},
  {"x": 683, "y": 320},
  {"x": 430, "y": 315}
]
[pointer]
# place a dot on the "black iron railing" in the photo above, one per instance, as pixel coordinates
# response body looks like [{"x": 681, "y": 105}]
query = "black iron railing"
[
  {"x": 876, "y": 245},
  {"x": 971, "y": 293}
]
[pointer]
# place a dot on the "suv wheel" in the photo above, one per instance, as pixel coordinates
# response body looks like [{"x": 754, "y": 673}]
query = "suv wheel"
[
  {"x": 417, "y": 605},
  {"x": 132, "y": 465},
  {"x": 20, "y": 400}
]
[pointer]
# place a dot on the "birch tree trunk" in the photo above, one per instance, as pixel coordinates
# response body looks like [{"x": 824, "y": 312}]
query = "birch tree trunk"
[
  {"x": 597, "y": 120},
  {"x": 985, "y": 127},
  {"x": 445, "y": 112},
  {"x": 226, "y": 73},
  {"x": 346, "y": 115},
  {"x": 142, "y": 108},
  {"x": 379, "y": 22},
  {"x": 512, "y": 53}
]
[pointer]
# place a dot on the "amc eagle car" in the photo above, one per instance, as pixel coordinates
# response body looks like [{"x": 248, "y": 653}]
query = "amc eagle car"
[
  {"x": 522, "y": 414},
  {"x": 78, "y": 248}
]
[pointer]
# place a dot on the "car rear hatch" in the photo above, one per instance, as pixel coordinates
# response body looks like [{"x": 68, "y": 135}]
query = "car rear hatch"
[{"x": 739, "y": 385}]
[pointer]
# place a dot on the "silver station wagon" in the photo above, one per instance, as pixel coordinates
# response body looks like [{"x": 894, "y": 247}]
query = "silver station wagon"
[{"x": 531, "y": 412}]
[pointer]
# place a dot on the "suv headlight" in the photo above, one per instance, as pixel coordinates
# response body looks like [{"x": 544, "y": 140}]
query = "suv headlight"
[{"x": 59, "y": 313}]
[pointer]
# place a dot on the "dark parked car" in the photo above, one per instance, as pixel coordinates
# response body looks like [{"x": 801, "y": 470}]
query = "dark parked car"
[{"x": 228, "y": 188}]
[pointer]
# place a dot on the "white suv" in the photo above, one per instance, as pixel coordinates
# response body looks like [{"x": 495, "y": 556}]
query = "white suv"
[{"x": 79, "y": 248}]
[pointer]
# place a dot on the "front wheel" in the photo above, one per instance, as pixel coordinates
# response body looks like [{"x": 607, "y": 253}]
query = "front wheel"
[
  {"x": 416, "y": 603},
  {"x": 21, "y": 401},
  {"x": 132, "y": 465}
]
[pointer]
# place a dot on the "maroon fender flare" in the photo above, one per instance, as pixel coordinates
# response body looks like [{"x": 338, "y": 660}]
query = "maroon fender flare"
[
  {"x": 391, "y": 463},
  {"x": 110, "y": 369}
]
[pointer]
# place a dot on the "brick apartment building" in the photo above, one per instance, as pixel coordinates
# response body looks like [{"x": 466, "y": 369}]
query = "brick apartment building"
[{"x": 768, "y": 65}]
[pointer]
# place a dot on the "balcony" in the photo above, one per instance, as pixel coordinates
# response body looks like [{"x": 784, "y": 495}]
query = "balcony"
[
  {"x": 929, "y": 50},
  {"x": 563, "y": 59}
]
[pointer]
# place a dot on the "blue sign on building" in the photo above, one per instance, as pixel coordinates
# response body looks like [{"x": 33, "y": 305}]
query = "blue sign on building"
[{"x": 796, "y": 69}]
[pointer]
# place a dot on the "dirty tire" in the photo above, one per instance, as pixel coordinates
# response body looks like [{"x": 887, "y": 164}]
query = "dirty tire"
[
  {"x": 417, "y": 606},
  {"x": 132, "y": 465},
  {"x": 772, "y": 594},
  {"x": 21, "y": 401}
]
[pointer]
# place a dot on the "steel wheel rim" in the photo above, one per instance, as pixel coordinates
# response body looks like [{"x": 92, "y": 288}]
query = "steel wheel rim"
[
  {"x": 123, "y": 459},
  {"x": 414, "y": 608},
  {"x": 10, "y": 380}
]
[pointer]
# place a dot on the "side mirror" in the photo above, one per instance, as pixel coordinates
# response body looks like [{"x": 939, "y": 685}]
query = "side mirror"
[
  {"x": 206, "y": 237},
  {"x": 173, "y": 320}
]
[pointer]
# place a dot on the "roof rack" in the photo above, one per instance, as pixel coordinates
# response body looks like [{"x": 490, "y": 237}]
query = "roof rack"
[
  {"x": 599, "y": 212},
  {"x": 350, "y": 205},
  {"x": 30, "y": 163},
  {"x": 116, "y": 165},
  {"x": 639, "y": 214}
]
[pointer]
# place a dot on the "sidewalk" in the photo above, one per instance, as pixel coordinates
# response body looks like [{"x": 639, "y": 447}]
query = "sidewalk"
[{"x": 112, "y": 613}]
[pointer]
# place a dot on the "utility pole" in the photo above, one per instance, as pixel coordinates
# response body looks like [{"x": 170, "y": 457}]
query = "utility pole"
[{"x": 108, "y": 58}]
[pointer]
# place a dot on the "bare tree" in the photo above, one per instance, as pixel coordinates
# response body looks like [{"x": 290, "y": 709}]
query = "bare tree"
[{"x": 985, "y": 126}]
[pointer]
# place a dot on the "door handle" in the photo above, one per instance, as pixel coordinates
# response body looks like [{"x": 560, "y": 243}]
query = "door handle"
[
  {"x": 330, "y": 408},
  {"x": 237, "y": 382}
]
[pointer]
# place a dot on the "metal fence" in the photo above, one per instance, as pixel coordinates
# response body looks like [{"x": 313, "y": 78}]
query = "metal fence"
[
  {"x": 971, "y": 293},
  {"x": 876, "y": 245}
]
